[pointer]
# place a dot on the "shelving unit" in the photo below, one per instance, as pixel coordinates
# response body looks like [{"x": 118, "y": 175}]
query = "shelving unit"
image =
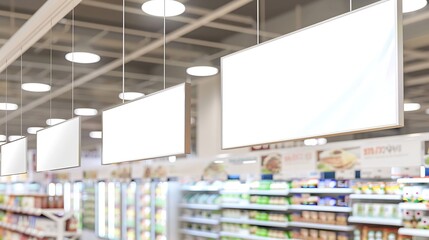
[
  {"x": 322, "y": 226},
  {"x": 376, "y": 221},
  {"x": 255, "y": 222},
  {"x": 322, "y": 190},
  {"x": 414, "y": 232},
  {"x": 200, "y": 233},
  {"x": 200, "y": 189},
  {"x": 246, "y": 236},
  {"x": 320, "y": 208},
  {"x": 413, "y": 180},
  {"x": 387, "y": 197},
  {"x": 414, "y": 206},
  {"x": 258, "y": 192},
  {"x": 200, "y": 220},
  {"x": 256, "y": 206},
  {"x": 200, "y": 206}
]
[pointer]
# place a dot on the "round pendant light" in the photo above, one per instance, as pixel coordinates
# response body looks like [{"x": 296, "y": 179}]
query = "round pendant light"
[
  {"x": 409, "y": 107},
  {"x": 202, "y": 71},
  {"x": 85, "y": 111},
  {"x": 14, "y": 137},
  {"x": 96, "y": 134},
  {"x": 35, "y": 87},
  {"x": 33, "y": 130},
  {"x": 82, "y": 57},
  {"x": 54, "y": 121},
  {"x": 128, "y": 96},
  {"x": 8, "y": 106},
  {"x": 413, "y": 5},
  {"x": 156, "y": 8}
]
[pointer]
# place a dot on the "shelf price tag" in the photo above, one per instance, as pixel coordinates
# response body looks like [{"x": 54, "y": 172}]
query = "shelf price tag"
[{"x": 345, "y": 174}]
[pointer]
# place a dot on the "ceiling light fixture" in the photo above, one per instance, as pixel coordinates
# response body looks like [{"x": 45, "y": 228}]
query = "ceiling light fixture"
[
  {"x": 33, "y": 130},
  {"x": 202, "y": 71},
  {"x": 82, "y": 57},
  {"x": 14, "y": 137},
  {"x": 54, "y": 121},
  {"x": 8, "y": 106},
  {"x": 413, "y": 5},
  {"x": 130, "y": 95},
  {"x": 172, "y": 159},
  {"x": 409, "y": 107},
  {"x": 96, "y": 134},
  {"x": 85, "y": 111},
  {"x": 156, "y": 8},
  {"x": 36, "y": 87},
  {"x": 310, "y": 142},
  {"x": 322, "y": 141}
]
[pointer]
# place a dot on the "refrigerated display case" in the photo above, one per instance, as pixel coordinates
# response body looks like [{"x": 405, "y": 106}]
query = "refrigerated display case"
[
  {"x": 101, "y": 193},
  {"x": 130, "y": 210},
  {"x": 167, "y": 195},
  {"x": 88, "y": 206},
  {"x": 144, "y": 210}
]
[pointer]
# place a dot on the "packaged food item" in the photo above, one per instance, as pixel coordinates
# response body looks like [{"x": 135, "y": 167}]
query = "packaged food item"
[
  {"x": 341, "y": 218},
  {"x": 377, "y": 210},
  {"x": 314, "y": 216},
  {"x": 314, "y": 233},
  {"x": 306, "y": 216},
  {"x": 330, "y": 218}
]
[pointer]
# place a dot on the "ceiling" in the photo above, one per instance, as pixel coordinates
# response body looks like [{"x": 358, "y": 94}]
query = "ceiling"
[{"x": 98, "y": 29}]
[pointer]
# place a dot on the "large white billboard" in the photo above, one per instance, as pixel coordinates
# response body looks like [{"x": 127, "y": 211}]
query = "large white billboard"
[
  {"x": 341, "y": 76},
  {"x": 157, "y": 125},
  {"x": 14, "y": 157},
  {"x": 58, "y": 147}
]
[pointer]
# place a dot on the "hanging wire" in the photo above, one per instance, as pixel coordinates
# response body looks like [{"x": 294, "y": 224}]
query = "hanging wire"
[
  {"x": 6, "y": 100},
  {"x": 351, "y": 5},
  {"x": 21, "y": 92},
  {"x": 123, "y": 51},
  {"x": 165, "y": 42},
  {"x": 72, "y": 73},
  {"x": 257, "y": 22},
  {"x": 50, "y": 74}
]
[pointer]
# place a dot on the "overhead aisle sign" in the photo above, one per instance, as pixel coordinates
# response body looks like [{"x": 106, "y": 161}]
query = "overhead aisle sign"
[{"x": 341, "y": 76}]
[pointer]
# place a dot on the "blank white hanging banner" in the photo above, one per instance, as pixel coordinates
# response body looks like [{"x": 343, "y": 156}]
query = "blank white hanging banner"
[
  {"x": 14, "y": 157},
  {"x": 58, "y": 147},
  {"x": 341, "y": 76},
  {"x": 157, "y": 125}
]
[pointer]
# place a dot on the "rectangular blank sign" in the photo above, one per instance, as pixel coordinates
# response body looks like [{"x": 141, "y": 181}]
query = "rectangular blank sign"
[
  {"x": 157, "y": 125},
  {"x": 58, "y": 147},
  {"x": 14, "y": 157},
  {"x": 340, "y": 76}
]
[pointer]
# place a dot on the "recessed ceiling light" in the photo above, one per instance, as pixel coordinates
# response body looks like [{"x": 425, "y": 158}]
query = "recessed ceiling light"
[
  {"x": 54, "y": 121},
  {"x": 82, "y": 57},
  {"x": 413, "y": 5},
  {"x": 202, "y": 71},
  {"x": 85, "y": 111},
  {"x": 408, "y": 107},
  {"x": 156, "y": 8},
  {"x": 3, "y": 138},
  {"x": 8, "y": 106},
  {"x": 36, "y": 87},
  {"x": 96, "y": 134},
  {"x": 172, "y": 159},
  {"x": 33, "y": 130},
  {"x": 130, "y": 95},
  {"x": 14, "y": 137}
]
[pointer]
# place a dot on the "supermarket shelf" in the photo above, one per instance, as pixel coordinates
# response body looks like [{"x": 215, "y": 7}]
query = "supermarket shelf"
[
  {"x": 322, "y": 226},
  {"x": 199, "y": 233},
  {"x": 414, "y": 206},
  {"x": 320, "y": 208},
  {"x": 414, "y": 232},
  {"x": 413, "y": 180},
  {"x": 392, "y": 197},
  {"x": 322, "y": 190},
  {"x": 200, "y": 220},
  {"x": 246, "y": 236},
  {"x": 255, "y": 222},
  {"x": 256, "y": 206},
  {"x": 34, "y": 232},
  {"x": 376, "y": 221},
  {"x": 200, "y": 189},
  {"x": 200, "y": 206},
  {"x": 31, "y": 211},
  {"x": 284, "y": 192}
]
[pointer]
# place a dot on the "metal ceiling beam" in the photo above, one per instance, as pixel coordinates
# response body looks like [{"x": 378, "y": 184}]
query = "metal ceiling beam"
[
  {"x": 227, "y": 8},
  {"x": 129, "y": 31},
  {"x": 35, "y": 28}
]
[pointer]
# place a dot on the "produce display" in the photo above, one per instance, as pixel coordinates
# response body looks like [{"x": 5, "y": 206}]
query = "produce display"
[
  {"x": 320, "y": 217},
  {"x": 201, "y": 198},
  {"x": 33, "y": 201},
  {"x": 269, "y": 185},
  {"x": 377, "y": 188},
  {"x": 201, "y": 213}
]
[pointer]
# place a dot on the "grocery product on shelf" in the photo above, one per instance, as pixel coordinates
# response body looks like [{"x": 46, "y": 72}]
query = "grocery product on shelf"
[
  {"x": 309, "y": 199},
  {"x": 130, "y": 212},
  {"x": 376, "y": 210},
  {"x": 320, "y": 217},
  {"x": 88, "y": 206},
  {"x": 145, "y": 211},
  {"x": 161, "y": 211},
  {"x": 311, "y": 234},
  {"x": 319, "y": 183},
  {"x": 365, "y": 187},
  {"x": 376, "y": 233},
  {"x": 201, "y": 198},
  {"x": 245, "y": 230}
]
